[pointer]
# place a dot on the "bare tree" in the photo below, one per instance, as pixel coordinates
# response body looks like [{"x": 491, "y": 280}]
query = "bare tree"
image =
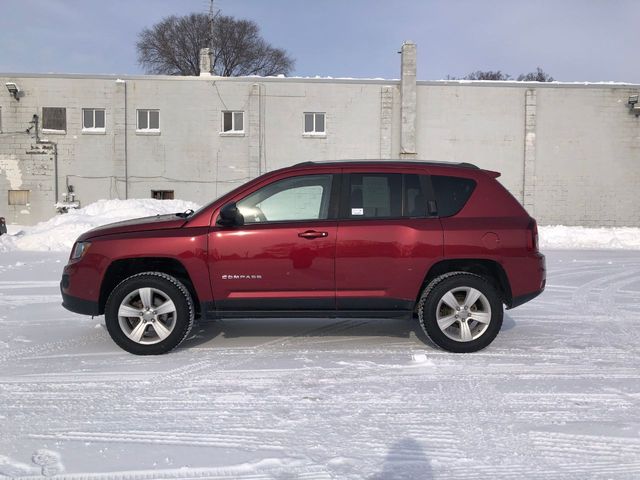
[
  {"x": 487, "y": 75},
  {"x": 538, "y": 76},
  {"x": 172, "y": 47}
]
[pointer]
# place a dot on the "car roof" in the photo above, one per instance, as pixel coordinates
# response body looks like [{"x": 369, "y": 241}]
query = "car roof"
[{"x": 391, "y": 163}]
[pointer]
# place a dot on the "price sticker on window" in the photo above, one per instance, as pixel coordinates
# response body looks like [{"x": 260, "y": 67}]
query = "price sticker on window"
[{"x": 357, "y": 211}]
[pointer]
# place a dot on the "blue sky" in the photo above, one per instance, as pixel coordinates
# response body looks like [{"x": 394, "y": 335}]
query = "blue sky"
[{"x": 588, "y": 40}]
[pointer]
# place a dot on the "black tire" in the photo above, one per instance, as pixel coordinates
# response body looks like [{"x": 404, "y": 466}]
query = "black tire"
[
  {"x": 430, "y": 306},
  {"x": 180, "y": 320}
]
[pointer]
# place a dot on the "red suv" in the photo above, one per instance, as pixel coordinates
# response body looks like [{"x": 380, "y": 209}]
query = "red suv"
[{"x": 343, "y": 239}]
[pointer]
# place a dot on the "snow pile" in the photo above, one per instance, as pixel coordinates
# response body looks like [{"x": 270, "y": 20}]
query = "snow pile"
[
  {"x": 618, "y": 238},
  {"x": 59, "y": 232}
]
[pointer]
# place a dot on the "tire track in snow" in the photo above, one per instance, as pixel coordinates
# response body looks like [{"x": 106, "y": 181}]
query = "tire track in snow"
[
  {"x": 585, "y": 299},
  {"x": 267, "y": 469},
  {"x": 245, "y": 442}
]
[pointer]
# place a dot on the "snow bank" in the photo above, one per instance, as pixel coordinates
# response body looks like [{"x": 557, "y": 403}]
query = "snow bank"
[
  {"x": 561, "y": 237},
  {"x": 59, "y": 232}
]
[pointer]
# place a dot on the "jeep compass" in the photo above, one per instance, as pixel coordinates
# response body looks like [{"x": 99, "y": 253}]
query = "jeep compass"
[{"x": 444, "y": 242}]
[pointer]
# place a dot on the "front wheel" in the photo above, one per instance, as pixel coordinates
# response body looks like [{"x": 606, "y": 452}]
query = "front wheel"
[
  {"x": 149, "y": 313},
  {"x": 460, "y": 312}
]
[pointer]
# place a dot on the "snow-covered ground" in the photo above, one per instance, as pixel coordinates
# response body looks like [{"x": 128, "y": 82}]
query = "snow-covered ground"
[{"x": 556, "y": 396}]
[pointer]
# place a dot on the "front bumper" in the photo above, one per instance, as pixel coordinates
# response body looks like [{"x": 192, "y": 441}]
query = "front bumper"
[{"x": 75, "y": 304}]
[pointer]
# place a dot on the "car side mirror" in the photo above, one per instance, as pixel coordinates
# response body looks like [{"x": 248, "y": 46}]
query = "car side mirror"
[{"x": 230, "y": 216}]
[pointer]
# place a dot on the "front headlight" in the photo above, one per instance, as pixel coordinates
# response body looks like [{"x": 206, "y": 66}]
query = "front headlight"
[{"x": 79, "y": 250}]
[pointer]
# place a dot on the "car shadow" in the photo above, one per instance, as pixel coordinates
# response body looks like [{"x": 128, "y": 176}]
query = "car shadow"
[
  {"x": 405, "y": 460},
  {"x": 265, "y": 328},
  {"x": 205, "y": 332}
]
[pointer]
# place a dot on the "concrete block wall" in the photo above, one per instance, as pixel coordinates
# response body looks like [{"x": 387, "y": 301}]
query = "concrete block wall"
[
  {"x": 587, "y": 157},
  {"x": 483, "y": 125},
  {"x": 570, "y": 153}
]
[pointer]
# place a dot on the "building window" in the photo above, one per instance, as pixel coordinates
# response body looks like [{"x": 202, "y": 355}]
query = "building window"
[
  {"x": 93, "y": 119},
  {"x": 314, "y": 123},
  {"x": 54, "y": 119},
  {"x": 162, "y": 194},
  {"x": 232, "y": 122},
  {"x": 18, "y": 197},
  {"x": 148, "y": 121}
]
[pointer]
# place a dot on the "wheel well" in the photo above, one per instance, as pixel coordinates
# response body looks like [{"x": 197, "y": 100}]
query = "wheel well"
[
  {"x": 124, "y": 268},
  {"x": 489, "y": 269}
]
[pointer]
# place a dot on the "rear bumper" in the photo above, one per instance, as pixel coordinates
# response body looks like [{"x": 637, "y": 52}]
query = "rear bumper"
[
  {"x": 517, "y": 301},
  {"x": 78, "y": 305},
  {"x": 532, "y": 278}
]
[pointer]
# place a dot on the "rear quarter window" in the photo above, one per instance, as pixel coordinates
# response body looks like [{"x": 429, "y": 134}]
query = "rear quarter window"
[{"x": 452, "y": 193}]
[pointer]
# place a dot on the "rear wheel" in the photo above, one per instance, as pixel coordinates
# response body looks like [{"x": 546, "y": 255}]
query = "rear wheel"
[
  {"x": 460, "y": 312},
  {"x": 149, "y": 313}
]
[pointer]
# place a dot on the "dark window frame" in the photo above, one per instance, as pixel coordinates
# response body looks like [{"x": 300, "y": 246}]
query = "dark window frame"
[
  {"x": 59, "y": 115},
  {"x": 160, "y": 194}
]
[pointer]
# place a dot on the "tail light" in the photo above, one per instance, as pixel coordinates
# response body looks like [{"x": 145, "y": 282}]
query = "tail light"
[{"x": 532, "y": 236}]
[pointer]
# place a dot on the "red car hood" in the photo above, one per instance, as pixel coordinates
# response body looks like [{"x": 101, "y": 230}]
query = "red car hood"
[{"x": 158, "y": 222}]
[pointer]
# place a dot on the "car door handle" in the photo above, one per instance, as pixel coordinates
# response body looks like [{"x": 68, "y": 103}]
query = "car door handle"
[{"x": 311, "y": 234}]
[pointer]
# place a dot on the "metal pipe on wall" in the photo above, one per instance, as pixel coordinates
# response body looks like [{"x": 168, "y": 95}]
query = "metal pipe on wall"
[
  {"x": 126, "y": 164},
  {"x": 35, "y": 122}
]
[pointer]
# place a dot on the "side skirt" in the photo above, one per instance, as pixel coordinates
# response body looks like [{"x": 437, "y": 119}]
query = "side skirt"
[{"x": 210, "y": 313}]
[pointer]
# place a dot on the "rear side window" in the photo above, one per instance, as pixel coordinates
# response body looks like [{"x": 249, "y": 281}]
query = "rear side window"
[
  {"x": 375, "y": 195},
  {"x": 451, "y": 193},
  {"x": 415, "y": 201}
]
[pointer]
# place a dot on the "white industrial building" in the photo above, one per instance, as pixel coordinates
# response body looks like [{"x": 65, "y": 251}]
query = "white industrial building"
[{"x": 569, "y": 152}]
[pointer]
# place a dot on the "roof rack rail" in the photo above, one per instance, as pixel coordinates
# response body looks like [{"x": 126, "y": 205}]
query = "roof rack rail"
[{"x": 434, "y": 163}]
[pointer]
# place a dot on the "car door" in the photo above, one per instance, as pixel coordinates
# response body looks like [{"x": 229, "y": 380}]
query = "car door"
[
  {"x": 387, "y": 240},
  {"x": 283, "y": 257}
]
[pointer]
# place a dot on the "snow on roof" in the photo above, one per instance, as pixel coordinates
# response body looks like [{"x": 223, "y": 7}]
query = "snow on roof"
[{"x": 322, "y": 79}]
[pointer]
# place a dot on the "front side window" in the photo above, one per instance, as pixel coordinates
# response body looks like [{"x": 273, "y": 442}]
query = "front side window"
[
  {"x": 148, "y": 121},
  {"x": 54, "y": 119},
  {"x": 93, "y": 119},
  {"x": 314, "y": 123},
  {"x": 291, "y": 199},
  {"x": 232, "y": 122}
]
